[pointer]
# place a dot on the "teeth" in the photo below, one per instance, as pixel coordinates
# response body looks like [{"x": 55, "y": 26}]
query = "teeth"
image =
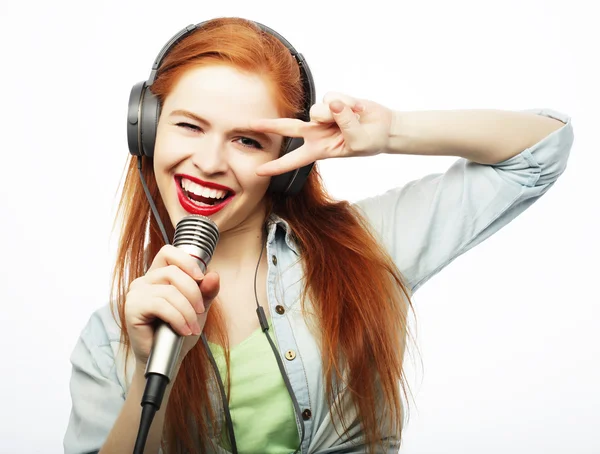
[
  {"x": 197, "y": 189},
  {"x": 200, "y": 204}
]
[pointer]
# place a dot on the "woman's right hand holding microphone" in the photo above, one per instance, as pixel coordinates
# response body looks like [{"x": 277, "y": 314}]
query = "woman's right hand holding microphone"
[{"x": 174, "y": 290}]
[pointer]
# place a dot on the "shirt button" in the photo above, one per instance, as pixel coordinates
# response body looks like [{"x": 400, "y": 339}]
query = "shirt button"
[
  {"x": 306, "y": 414},
  {"x": 290, "y": 355},
  {"x": 279, "y": 309},
  {"x": 274, "y": 260}
]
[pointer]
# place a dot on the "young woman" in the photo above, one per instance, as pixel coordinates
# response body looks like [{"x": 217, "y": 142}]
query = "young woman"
[{"x": 334, "y": 279}]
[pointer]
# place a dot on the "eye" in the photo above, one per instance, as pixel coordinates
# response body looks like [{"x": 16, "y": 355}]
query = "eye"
[
  {"x": 250, "y": 143},
  {"x": 188, "y": 126}
]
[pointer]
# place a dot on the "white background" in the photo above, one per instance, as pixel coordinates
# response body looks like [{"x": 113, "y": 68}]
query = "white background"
[{"x": 508, "y": 337}]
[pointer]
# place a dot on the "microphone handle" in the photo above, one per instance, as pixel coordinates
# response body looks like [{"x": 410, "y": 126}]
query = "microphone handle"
[{"x": 166, "y": 346}]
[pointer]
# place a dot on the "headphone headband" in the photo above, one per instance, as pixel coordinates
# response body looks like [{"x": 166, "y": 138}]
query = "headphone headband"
[{"x": 144, "y": 111}]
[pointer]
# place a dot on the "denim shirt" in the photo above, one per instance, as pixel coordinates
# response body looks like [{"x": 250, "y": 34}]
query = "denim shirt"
[{"x": 424, "y": 225}]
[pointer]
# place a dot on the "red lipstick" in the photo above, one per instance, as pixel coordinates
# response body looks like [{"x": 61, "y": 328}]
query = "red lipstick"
[{"x": 193, "y": 208}]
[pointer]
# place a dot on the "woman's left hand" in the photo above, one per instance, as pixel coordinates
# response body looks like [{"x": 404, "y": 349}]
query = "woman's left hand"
[{"x": 339, "y": 127}]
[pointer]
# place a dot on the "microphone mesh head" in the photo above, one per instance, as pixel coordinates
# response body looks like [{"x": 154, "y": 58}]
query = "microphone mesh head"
[{"x": 198, "y": 235}]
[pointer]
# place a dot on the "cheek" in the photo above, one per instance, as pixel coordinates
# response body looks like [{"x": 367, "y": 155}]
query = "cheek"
[
  {"x": 169, "y": 150},
  {"x": 244, "y": 169},
  {"x": 160, "y": 152},
  {"x": 251, "y": 182}
]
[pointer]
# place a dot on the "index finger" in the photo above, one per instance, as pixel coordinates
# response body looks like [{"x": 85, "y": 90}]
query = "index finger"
[
  {"x": 210, "y": 288},
  {"x": 171, "y": 255},
  {"x": 288, "y": 127}
]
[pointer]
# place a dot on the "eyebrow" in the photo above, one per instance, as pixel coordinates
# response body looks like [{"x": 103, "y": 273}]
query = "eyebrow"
[{"x": 243, "y": 131}]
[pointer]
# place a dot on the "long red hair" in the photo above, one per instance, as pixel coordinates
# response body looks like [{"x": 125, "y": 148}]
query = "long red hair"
[{"x": 359, "y": 298}]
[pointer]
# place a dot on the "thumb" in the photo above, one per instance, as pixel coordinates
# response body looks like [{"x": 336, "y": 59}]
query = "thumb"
[
  {"x": 347, "y": 121},
  {"x": 210, "y": 286}
]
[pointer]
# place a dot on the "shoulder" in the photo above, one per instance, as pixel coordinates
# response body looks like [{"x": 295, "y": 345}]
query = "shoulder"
[{"x": 100, "y": 344}]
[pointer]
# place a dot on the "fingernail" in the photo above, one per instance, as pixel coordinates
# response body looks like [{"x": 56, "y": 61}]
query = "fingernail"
[
  {"x": 196, "y": 328},
  {"x": 359, "y": 107},
  {"x": 336, "y": 106}
]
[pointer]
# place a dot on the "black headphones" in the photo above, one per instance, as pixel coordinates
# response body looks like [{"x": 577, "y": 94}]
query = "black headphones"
[{"x": 144, "y": 111}]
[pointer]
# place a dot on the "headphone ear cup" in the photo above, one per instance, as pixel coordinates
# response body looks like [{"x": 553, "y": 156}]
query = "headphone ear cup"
[
  {"x": 149, "y": 121},
  {"x": 291, "y": 182},
  {"x": 297, "y": 183},
  {"x": 142, "y": 120},
  {"x": 133, "y": 119}
]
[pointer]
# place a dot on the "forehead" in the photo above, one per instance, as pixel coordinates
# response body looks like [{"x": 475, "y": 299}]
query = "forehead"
[{"x": 221, "y": 93}]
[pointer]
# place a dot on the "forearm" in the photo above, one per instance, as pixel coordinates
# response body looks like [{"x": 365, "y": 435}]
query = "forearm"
[
  {"x": 483, "y": 136},
  {"x": 122, "y": 437}
]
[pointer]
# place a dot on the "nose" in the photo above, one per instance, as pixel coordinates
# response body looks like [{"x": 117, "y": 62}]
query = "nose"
[{"x": 210, "y": 156}]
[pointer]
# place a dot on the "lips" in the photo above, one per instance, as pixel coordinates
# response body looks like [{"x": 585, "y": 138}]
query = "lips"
[{"x": 193, "y": 208}]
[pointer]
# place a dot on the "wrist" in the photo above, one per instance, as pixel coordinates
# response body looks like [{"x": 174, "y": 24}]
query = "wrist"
[
  {"x": 397, "y": 140},
  {"x": 139, "y": 371}
]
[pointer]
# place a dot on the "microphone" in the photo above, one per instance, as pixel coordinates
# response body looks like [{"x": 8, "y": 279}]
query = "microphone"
[{"x": 198, "y": 236}]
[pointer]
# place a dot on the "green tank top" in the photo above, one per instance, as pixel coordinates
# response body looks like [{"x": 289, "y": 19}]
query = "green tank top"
[{"x": 261, "y": 409}]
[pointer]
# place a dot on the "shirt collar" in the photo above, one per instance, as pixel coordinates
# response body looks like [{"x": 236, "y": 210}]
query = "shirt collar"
[{"x": 274, "y": 223}]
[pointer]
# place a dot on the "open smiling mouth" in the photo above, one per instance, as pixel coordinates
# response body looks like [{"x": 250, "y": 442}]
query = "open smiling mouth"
[{"x": 201, "y": 199}]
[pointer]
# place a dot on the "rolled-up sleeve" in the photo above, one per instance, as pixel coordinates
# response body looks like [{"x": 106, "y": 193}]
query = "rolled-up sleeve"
[
  {"x": 97, "y": 395},
  {"x": 429, "y": 222}
]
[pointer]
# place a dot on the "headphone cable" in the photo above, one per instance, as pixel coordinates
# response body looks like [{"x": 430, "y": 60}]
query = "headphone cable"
[
  {"x": 156, "y": 384},
  {"x": 262, "y": 319}
]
